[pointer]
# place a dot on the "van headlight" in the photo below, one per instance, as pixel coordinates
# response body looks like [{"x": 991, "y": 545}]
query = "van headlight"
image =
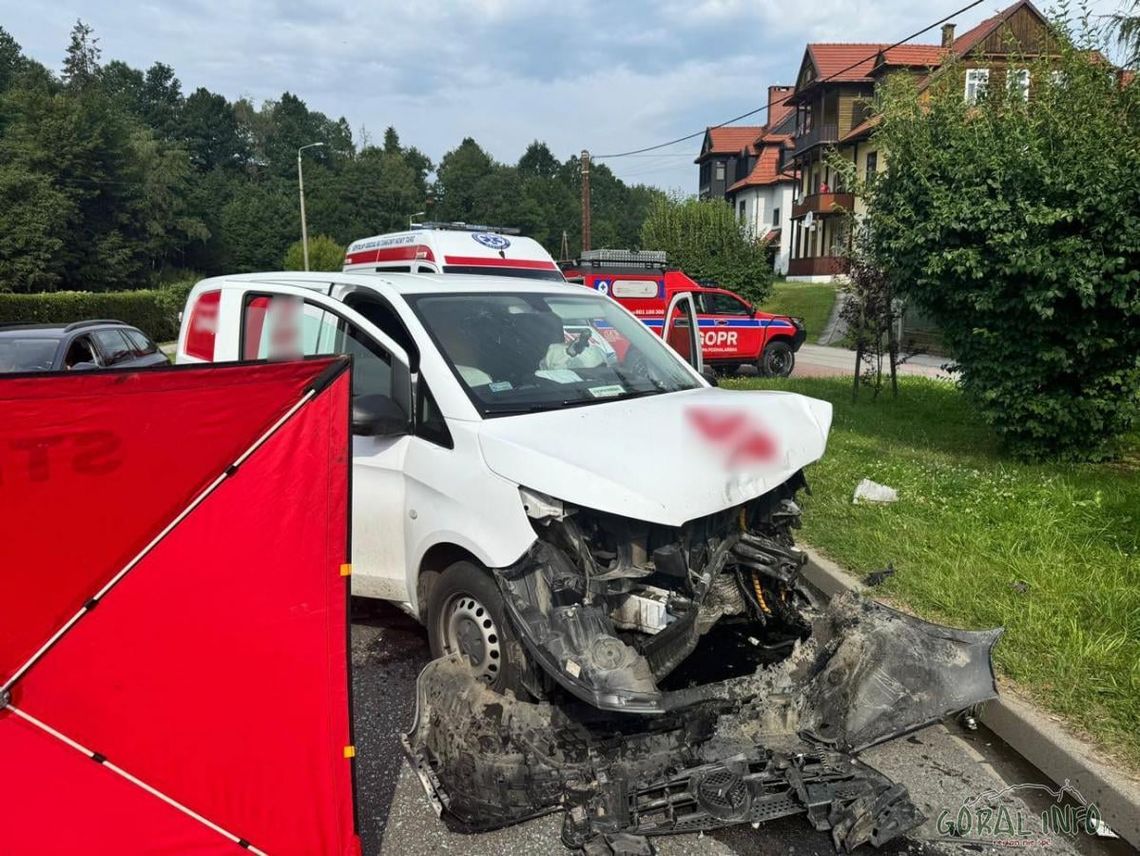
[{"x": 539, "y": 506}]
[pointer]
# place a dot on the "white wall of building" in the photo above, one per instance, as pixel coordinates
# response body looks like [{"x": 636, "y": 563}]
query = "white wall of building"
[{"x": 759, "y": 212}]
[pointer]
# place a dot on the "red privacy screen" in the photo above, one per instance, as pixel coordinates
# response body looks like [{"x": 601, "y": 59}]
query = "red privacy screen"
[{"x": 173, "y": 598}]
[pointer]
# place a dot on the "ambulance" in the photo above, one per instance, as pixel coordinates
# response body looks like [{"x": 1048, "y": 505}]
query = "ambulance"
[
  {"x": 733, "y": 332},
  {"x": 457, "y": 248}
]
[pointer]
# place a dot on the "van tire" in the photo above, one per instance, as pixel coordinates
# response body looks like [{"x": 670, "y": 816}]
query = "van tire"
[
  {"x": 777, "y": 360},
  {"x": 465, "y": 613}
]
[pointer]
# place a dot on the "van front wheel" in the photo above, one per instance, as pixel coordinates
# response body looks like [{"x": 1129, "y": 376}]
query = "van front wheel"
[{"x": 466, "y": 616}]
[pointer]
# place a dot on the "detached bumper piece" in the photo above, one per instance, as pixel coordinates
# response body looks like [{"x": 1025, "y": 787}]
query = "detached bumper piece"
[
  {"x": 855, "y": 802},
  {"x": 750, "y": 749}
]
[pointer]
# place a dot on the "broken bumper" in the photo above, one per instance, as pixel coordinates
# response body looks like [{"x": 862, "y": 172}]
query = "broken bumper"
[{"x": 751, "y": 749}]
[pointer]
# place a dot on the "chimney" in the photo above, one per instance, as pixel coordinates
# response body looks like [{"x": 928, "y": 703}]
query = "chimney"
[
  {"x": 776, "y": 96},
  {"x": 947, "y": 36}
]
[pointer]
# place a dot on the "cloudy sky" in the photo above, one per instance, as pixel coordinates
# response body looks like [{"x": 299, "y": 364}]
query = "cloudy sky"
[{"x": 605, "y": 75}]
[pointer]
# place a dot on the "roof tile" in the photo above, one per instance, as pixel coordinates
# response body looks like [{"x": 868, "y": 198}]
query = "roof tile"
[{"x": 732, "y": 138}]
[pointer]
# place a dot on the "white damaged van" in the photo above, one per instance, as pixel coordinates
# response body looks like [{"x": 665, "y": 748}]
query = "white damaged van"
[
  {"x": 496, "y": 424},
  {"x": 600, "y": 545}
]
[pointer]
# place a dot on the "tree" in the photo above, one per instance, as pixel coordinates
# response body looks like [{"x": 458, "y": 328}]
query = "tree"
[
  {"x": 81, "y": 64},
  {"x": 391, "y": 141},
  {"x": 1125, "y": 24},
  {"x": 324, "y": 254},
  {"x": 538, "y": 161},
  {"x": 259, "y": 223},
  {"x": 706, "y": 241},
  {"x": 460, "y": 171},
  {"x": 209, "y": 128},
  {"x": 1023, "y": 243}
]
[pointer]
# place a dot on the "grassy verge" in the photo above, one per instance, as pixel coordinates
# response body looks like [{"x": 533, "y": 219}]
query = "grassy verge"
[
  {"x": 808, "y": 300},
  {"x": 1051, "y": 552}
]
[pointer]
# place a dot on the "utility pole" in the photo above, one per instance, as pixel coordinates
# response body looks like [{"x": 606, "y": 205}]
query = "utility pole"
[
  {"x": 565, "y": 246},
  {"x": 585, "y": 200},
  {"x": 301, "y": 191}
]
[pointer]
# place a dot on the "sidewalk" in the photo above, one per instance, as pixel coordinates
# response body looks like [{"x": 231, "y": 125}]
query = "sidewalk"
[{"x": 824, "y": 361}]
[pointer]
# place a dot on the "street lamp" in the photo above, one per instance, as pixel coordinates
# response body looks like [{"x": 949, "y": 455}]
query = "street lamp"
[
  {"x": 301, "y": 190},
  {"x": 412, "y": 217}
]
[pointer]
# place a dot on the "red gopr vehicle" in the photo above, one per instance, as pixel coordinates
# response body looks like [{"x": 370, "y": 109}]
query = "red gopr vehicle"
[{"x": 733, "y": 332}]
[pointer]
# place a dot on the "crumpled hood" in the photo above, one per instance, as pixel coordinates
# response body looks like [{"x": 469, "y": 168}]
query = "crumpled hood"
[{"x": 663, "y": 459}]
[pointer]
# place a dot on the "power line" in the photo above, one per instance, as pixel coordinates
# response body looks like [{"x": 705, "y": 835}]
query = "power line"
[{"x": 764, "y": 107}]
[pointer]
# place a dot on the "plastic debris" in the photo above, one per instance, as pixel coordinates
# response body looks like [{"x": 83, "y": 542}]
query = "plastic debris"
[
  {"x": 869, "y": 491},
  {"x": 876, "y": 578}
]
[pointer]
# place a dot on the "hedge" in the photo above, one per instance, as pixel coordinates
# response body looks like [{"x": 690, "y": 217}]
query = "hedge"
[{"x": 154, "y": 311}]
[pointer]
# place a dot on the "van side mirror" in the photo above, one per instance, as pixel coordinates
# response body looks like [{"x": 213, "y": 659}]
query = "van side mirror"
[{"x": 378, "y": 415}]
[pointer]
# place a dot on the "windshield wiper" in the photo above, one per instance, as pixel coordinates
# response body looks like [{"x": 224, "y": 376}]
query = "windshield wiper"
[{"x": 539, "y": 407}]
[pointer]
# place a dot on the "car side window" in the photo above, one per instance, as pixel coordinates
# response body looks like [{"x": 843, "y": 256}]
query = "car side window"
[
  {"x": 79, "y": 351},
  {"x": 282, "y": 326},
  {"x": 113, "y": 346},
  {"x": 722, "y": 304},
  {"x": 430, "y": 424},
  {"x": 140, "y": 344}
]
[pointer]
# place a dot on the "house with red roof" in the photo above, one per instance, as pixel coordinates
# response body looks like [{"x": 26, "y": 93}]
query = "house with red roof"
[
  {"x": 743, "y": 164},
  {"x": 832, "y": 102}
]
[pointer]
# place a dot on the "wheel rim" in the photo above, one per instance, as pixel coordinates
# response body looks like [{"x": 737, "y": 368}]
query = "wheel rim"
[
  {"x": 778, "y": 360},
  {"x": 466, "y": 627}
]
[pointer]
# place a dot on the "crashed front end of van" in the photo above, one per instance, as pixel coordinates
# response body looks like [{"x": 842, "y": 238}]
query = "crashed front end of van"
[{"x": 686, "y": 678}]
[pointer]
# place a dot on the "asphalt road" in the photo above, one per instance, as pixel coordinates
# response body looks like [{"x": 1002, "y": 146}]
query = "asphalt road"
[{"x": 941, "y": 766}]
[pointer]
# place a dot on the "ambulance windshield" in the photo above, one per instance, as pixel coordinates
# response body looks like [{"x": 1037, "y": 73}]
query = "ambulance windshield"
[
  {"x": 528, "y": 352},
  {"x": 483, "y": 269}
]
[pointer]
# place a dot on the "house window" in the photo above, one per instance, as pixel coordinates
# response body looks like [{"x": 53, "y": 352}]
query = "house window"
[
  {"x": 742, "y": 210},
  {"x": 775, "y": 217},
  {"x": 1017, "y": 79},
  {"x": 872, "y": 165},
  {"x": 720, "y": 170},
  {"x": 976, "y": 81}
]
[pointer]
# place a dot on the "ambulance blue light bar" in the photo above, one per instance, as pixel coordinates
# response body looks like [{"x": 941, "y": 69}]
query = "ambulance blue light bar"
[{"x": 459, "y": 226}]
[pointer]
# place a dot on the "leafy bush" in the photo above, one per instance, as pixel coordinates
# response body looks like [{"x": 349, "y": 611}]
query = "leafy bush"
[
  {"x": 154, "y": 311},
  {"x": 706, "y": 241},
  {"x": 1015, "y": 225},
  {"x": 324, "y": 254}
]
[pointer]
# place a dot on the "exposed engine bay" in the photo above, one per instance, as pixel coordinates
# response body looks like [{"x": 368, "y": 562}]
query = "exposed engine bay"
[
  {"x": 686, "y": 678},
  {"x": 610, "y": 607}
]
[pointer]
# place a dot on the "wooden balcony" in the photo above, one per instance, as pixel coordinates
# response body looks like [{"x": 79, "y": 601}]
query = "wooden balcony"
[
  {"x": 817, "y": 266},
  {"x": 822, "y": 134},
  {"x": 822, "y": 204}
]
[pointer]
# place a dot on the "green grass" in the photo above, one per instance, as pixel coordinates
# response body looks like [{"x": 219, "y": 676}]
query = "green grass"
[
  {"x": 808, "y": 300},
  {"x": 1051, "y": 552}
]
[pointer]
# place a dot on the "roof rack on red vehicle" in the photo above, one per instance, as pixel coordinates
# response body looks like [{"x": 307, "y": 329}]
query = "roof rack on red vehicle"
[{"x": 627, "y": 259}]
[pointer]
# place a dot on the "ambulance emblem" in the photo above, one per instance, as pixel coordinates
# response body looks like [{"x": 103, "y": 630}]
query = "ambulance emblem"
[{"x": 489, "y": 239}]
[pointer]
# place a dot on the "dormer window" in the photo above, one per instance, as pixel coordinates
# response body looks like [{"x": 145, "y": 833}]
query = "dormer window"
[{"x": 977, "y": 79}]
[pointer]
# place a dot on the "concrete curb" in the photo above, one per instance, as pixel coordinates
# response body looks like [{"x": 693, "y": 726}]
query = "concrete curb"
[{"x": 1029, "y": 732}]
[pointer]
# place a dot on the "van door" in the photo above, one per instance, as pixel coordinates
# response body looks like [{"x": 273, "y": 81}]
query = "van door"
[
  {"x": 729, "y": 331},
  {"x": 284, "y": 321},
  {"x": 681, "y": 331}
]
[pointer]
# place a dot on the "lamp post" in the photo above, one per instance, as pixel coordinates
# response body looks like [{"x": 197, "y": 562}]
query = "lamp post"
[
  {"x": 301, "y": 190},
  {"x": 414, "y": 216}
]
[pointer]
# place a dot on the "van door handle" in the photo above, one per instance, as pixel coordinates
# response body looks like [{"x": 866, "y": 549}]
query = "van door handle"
[{"x": 720, "y": 322}]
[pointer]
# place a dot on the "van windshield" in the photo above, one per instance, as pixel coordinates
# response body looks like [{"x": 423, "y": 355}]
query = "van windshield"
[{"x": 527, "y": 352}]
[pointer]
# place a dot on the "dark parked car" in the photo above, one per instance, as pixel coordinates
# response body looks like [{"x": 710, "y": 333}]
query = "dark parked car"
[{"x": 82, "y": 345}]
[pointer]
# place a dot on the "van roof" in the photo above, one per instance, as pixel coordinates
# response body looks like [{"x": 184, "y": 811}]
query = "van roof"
[
  {"x": 450, "y": 247},
  {"x": 400, "y": 283}
]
